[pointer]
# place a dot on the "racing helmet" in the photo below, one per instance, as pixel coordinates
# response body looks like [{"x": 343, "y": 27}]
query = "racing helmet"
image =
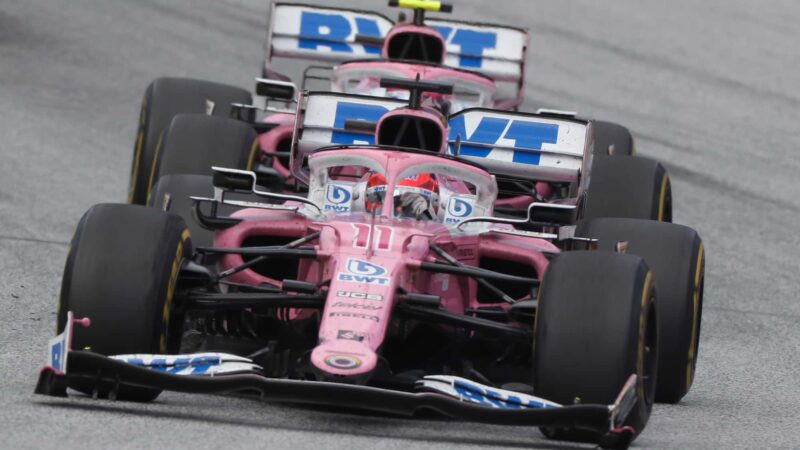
[{"x": 415, "y": 197}]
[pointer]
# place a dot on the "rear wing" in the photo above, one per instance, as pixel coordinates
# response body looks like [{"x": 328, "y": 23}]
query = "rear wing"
[
  {"x": 326, "y": 118},
  {"x": 522, "y": 145},
  {"x": 330, "y": 34}
]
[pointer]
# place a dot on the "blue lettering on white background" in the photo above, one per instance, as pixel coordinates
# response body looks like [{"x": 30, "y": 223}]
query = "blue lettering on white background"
[
  {"x": 198, "y": 365},
  {"x": 337, "y": 194},
  {"x": 459, "y": 208},
  {"x": 531, "y": 135},
  {"x": 324, "y": 30},
  {"x": 369, "y": 27},
  {"x": 485, "y": 396},
  {"x": 489, "y": 131},
  {"x": 55, "y": 356},
  {"x": 526, "y": 135},
  {"x": 355, "y": 111},
  {"x": 337, "y": 198},
  {"x": 333, "y": 30},
  {"x": 352, "y": 278},
  {"x": 472, "y": 44}
]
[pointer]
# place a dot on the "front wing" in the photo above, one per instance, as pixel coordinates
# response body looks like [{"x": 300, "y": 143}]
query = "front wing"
[{"x": 108, "y": 374}]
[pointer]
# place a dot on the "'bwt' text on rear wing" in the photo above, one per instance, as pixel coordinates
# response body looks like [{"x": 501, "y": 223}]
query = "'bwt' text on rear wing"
[
  {"x": 523, "y": 145},
  {"x": 329, "y": 34},
  {"x": 518, "y": 145}
]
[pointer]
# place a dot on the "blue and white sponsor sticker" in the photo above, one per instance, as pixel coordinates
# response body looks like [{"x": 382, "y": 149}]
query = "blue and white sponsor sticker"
[
  {"x": 459, "y": 207},
  {"x": 492, "y": 49},
  {"x": 324, "y": 33},
  {"x": 472, "y": 392},
  {"x": 360, "y": 271},
  {"x": 338, "y": 198},
  {"x": 206, "y": 364},
  {"x": 58, "y": 348},
  {"x": 495, "y": 136},
  {"x": 326, "y": 115}
]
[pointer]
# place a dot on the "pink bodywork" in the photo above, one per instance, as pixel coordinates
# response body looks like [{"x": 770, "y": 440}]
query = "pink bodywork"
[
  {"x": 367, "y": 258},
  {"x": 270, "y": 140},
  {"x": 426, "y": 72}
]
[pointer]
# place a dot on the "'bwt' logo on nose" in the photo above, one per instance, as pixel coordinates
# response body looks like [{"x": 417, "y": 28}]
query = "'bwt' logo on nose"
[{"x": 362, "y": 267}]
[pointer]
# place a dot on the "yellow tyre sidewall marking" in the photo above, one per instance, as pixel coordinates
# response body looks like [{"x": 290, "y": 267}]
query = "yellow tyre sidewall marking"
[
  {"x": 252, "y": 156},
  {"x": 690, "y": 366},
  {"x": 137, "y": 154},
  {"x": 662, "y": 197},
  {"x": 173, "y": 280},
  {"x": 151, "y": 180}
]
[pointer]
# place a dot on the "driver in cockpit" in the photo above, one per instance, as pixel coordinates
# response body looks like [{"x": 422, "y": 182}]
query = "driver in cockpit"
[{"x": 415, "y": 197}]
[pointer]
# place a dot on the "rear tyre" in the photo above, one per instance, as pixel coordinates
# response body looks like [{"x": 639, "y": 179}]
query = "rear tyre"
[
  {"x": 163, "y": 99},
  {"x": 121, "y": 272},
  {"x": 675, "y": 254},
  {"x": 171, "y": 193},
  {"x": 194, "y": 143},
  {"x": 630, "y": 187},
  {"x": 612, "y": 139},
  {"x": 591, "y": 335}
]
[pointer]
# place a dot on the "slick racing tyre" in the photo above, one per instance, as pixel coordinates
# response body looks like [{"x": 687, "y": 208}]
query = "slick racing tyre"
[
  {"x": 676, "y": 256},
  {"x": 163, "y": 99},
  {"x": 121, "y": 272},
  {"x": 596, "y": 325},
  {"x": 612, "y": 139},
  {"x": 630, "y": 187},
  {"x": 193, "y": 143}
]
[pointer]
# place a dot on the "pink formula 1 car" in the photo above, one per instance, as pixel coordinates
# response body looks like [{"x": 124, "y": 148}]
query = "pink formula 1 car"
[{"x": 392, "y": 286}]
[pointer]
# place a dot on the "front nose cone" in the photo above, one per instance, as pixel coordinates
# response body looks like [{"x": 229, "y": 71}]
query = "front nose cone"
[{"x": 343, "y": 361}]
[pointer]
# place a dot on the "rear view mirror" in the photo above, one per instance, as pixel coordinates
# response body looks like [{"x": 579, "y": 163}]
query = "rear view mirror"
[
  {"x": 552, "y": 213},
  {"x": 275, "y": 89},
  {"x": 234, "y": 179},
  {"x": 269, "y": 178}
]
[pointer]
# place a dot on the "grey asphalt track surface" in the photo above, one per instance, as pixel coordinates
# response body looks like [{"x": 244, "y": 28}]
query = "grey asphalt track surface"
[{"x": 710, "y": 88}]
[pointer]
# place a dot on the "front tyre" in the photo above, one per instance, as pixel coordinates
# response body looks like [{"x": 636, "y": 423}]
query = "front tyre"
[
  {"x": 121, "y": 272},
  {"x": 596, "y": 325}
]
